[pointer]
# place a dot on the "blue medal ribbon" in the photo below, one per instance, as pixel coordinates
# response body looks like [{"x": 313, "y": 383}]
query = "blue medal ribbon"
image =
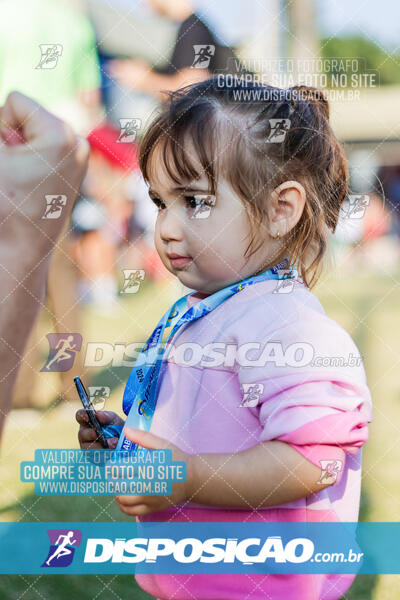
[{"x": 141, "y": 391}]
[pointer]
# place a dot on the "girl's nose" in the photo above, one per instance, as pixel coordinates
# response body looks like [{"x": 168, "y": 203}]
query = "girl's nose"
[{"x": 170, "y": 226}]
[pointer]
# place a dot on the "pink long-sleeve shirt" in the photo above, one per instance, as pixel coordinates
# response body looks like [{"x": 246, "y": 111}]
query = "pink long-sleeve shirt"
[{"x": 322, "y": 410}]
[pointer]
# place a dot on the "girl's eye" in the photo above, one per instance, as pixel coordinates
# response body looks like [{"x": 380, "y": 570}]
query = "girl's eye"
[
  {"x": 159, "y": 203},
  {"x": 200, "y": 203},
  {"x": 193, "y": 201}
]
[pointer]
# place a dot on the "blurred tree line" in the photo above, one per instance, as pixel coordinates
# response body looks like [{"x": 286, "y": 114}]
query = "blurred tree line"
[{"x": 371, "y": 56}]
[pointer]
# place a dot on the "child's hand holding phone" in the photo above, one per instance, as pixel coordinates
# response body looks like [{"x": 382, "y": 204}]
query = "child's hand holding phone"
[
  {"x": 93, "y": 431},
  {"x": 87, "y": 436}
]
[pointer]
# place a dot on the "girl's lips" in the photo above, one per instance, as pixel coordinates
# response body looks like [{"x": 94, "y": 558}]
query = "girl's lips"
[{"x": 180, "y": 262}]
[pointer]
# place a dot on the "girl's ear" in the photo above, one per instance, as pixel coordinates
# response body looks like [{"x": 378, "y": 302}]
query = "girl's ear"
[{"x": 285, "y": 207}]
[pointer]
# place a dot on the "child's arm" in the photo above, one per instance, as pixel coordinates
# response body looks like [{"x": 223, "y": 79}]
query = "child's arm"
[{"x": 268, "y": 474}]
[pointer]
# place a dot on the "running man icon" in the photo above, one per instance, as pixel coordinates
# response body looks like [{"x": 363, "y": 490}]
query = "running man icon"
[
  {"x": 54, "y": 206},
  {"x": 203, "y": 54},
  {"x": 279, "y": 129},
  {"x": 133, "y": 279},
  {"x": 63, "y": 347},
  {"x": 61, "y": 551}
]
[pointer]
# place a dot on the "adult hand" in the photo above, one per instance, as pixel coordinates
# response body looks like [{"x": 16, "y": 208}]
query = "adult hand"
[{"x": 40, "y": 156}]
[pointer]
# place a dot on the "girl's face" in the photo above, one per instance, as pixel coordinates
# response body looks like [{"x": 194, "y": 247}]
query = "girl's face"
[{"x": 212, "y": 237}]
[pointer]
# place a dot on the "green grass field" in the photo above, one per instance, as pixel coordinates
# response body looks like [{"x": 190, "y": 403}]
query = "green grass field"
[{"x": 366, "y": 306}]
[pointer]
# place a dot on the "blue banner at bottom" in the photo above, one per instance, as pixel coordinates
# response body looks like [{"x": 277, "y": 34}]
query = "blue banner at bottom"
[{"x": 199, "y": 548}]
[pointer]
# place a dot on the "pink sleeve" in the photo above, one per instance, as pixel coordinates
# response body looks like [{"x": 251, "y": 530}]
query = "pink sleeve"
[
  {"x": 323, "y": 420},
  {"x": 324, "y": 442},
  {"x": 318, "y": 454}
]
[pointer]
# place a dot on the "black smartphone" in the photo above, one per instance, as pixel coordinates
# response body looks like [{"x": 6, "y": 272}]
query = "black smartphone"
[{"x": 90, "y": 411}]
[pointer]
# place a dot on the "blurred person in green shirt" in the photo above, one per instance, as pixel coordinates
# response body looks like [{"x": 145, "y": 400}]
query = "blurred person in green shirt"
[{"x": 70, "y": 87}]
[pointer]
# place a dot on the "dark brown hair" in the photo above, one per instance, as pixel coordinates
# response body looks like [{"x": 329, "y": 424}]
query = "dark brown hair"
[{"x": 229, "y": 126}]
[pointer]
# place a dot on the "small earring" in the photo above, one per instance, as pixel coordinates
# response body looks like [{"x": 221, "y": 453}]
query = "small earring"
[{"x": 277, "y": 236}]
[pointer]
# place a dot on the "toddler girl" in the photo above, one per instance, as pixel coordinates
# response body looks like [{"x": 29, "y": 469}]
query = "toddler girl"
[{"x": 262, "y": 394}]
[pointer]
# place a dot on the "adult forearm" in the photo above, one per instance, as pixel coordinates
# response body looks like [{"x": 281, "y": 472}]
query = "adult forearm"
[
  {"x": 26, "y": 248},
  {"x": 268, "y": 474},
  {"x": 22, "y": 284}
]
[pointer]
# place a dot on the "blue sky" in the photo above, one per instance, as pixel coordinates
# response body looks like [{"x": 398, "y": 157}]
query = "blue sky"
[{"x": 379, "y": 19}]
